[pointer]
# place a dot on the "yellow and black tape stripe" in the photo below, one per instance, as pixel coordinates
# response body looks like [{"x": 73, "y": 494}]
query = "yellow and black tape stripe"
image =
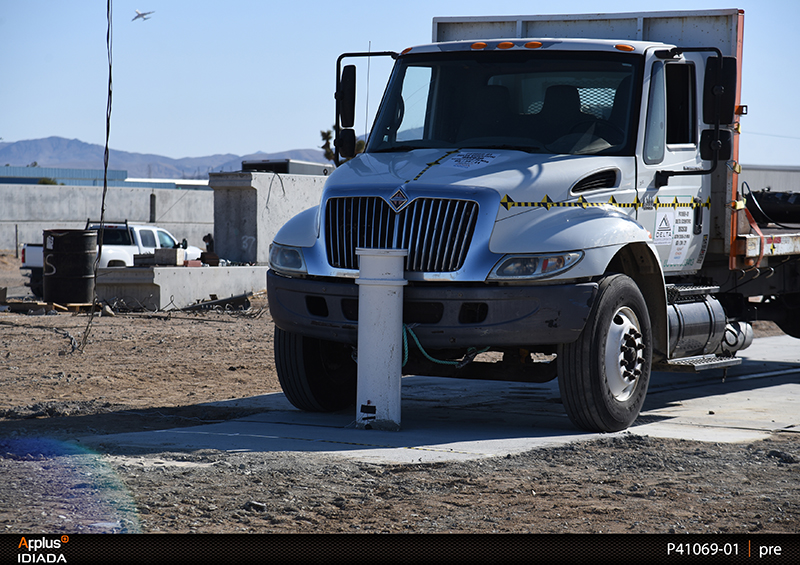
[
  {"x": 507, "y": 202},
  {"x": 431, "y": 164}
]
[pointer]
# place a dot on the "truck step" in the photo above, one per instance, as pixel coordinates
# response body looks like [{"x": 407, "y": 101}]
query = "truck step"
[
  {"x": 696, "y": 364},
  {"x": 675, "y": 291}
]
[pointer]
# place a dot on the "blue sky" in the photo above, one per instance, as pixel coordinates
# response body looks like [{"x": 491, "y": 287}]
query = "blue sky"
[{"x": 241, "y": 76}]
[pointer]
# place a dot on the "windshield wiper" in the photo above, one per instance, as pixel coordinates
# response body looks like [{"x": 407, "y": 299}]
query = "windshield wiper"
[
  {"x": 398, "y": 149},
  {"x": 525, "y": 148}
]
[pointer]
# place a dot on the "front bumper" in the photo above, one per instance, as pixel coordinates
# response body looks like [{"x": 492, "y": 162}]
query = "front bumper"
[{"x": 444, "y": 316}]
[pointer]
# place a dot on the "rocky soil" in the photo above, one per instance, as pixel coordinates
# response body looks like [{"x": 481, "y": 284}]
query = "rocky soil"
[{"x": 141, "y": 371}]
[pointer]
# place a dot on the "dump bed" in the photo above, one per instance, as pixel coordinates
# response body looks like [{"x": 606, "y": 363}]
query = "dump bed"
[{"x": 698, "y": 28}]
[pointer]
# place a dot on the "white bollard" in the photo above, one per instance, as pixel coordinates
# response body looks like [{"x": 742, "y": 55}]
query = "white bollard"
[{"x": 380, "y": 338}]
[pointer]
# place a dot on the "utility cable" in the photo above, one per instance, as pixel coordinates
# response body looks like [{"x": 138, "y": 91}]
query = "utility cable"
[{"x": 109, "y": 34}]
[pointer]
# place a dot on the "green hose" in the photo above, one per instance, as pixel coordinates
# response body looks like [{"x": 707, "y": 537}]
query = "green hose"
[{"x": 471, "y": 352}]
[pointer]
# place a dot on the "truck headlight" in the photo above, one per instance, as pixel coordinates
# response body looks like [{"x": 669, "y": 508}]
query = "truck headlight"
[
  {"x": 515, "y": 267},
  {"x": 286, "y": 259}
]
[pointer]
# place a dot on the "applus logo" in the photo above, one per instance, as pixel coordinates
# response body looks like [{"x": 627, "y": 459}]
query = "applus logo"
[{"x": 35, "y": 545}]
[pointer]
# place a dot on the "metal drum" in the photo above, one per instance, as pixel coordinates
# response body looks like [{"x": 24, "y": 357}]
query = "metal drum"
[{"x": 68, "y": 275}]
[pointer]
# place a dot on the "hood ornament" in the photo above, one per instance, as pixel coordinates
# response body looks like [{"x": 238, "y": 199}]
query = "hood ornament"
[{"x": 398, "y": 200}]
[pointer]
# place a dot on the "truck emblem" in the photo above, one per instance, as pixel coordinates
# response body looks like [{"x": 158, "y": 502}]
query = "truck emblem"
[{"x": 398, "y": 200}]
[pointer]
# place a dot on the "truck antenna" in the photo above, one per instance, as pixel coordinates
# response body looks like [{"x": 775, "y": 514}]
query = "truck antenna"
[{"x": 366, "y": 100}]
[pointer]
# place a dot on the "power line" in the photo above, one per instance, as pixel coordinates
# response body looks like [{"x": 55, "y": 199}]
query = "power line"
[{"x": 770, "y": 134}]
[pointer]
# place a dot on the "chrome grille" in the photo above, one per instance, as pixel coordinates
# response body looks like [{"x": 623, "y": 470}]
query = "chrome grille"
[{"x": 435, "y": 231}]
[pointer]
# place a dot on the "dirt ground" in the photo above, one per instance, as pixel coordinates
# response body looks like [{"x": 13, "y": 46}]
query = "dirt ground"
[{"x": 145, "y": 371}]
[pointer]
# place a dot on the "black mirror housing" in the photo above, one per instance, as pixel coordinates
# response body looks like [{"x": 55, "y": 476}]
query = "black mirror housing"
[
  {"x": 707, "y": 145},
  {"x": 720, "y": 81},
  {"x": 346, "y": 143},
  {"x": 346, "y": 97}
]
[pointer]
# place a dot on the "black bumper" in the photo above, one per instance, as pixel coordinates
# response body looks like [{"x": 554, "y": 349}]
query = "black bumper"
[{"x": 444, "y": 315}]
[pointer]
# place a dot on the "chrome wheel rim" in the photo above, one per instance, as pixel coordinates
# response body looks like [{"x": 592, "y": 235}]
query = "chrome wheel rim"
[{"x": 623, "y": 354}]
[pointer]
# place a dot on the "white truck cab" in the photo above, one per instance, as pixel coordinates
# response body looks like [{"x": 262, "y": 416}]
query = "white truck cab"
[{"x": 564, "y": 185}]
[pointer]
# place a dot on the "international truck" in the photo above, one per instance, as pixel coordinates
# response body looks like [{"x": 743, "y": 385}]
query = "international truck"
[{"x": 566, "y": 189}]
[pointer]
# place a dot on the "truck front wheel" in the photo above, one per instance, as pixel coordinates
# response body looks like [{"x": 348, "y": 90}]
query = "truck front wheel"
[
  {"x": 603, "y": 376},
  {"x": 316, "y": 375}
]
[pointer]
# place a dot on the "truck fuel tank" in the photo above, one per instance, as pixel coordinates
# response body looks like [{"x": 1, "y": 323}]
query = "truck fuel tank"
[{"x": 698, "y": 326}]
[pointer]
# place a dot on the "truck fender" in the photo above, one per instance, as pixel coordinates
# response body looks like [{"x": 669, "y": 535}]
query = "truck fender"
[
  {"x": 116, "y": 257},
  {"x": 612, "y": 242},
  {"x": 640, "y": 262},
  {"x": 556, "y": 230},
  {"x": 300, "y": 231}
]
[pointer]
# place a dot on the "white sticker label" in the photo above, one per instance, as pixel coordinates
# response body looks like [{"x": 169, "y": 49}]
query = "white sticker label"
[
  {"x": 471, "y": 159},
  {"x": 665, "y": 219},
  {"x": 681, "y": 238}
]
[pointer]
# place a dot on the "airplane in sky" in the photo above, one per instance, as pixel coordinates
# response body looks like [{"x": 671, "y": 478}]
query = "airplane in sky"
[{"x": 142, "y": 15}]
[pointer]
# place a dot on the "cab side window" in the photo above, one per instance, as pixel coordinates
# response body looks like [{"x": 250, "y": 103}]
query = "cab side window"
[
  {"x": 681, "y": 105},
  {"x": 165, "y": 240},
  {"x": 654, "y": 138},
  {"x": 148, "y": 238}
]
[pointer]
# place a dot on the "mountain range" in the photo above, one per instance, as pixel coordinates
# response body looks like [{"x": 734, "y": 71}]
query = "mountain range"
[{"x": 64, "y": 153}]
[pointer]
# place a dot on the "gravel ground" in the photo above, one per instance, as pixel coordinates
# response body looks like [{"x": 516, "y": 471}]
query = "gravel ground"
[{"x": 154, "y": 371}]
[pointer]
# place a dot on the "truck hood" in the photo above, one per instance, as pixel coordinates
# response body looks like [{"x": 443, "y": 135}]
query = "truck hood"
[
  {"x": 526, "y": 203},
  {"x": 520, "y": 175},
  {"x": 523, "y": 197}
]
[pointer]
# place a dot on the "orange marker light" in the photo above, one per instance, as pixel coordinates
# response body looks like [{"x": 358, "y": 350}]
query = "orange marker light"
[
  {"x": 505, "y": 45},
  {"x": 533, "y": 44},
  {"x": 623, "y": 47},
  {"x": 406, "y": 50},
  {"x": 479, "y": 45}
]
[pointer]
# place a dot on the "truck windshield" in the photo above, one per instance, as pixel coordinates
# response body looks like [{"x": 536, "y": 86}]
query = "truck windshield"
[{"x": 568, "y": 102}]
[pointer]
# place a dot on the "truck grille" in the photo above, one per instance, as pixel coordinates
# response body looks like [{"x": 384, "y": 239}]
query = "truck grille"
[{"x": 436, "y": 232}]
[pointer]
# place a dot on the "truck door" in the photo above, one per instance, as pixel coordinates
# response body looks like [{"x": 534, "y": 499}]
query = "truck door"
[
  {"x": 676, "y": 214},
  {"x": 165, "y": 240},
  {"x": 147, "y": 239}
]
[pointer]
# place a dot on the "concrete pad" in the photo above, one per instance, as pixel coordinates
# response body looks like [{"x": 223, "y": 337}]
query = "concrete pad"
[{"x": 457, "y": 419}]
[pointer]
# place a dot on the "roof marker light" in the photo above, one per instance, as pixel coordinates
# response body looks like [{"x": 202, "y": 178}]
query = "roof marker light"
[
  {"x": 406, "y": 50},
  {"x": 533, "y": 44},
  {"x": 479, "y": 45},
  {"x": 623, "y": 47},
  {"x": 505, "y": 45}
]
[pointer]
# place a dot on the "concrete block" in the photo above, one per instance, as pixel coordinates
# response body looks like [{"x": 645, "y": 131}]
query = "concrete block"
[
  {"x": 172, "y": 257},
  {"x": 250, "y": 208},
  {"x": 169, "y": 288},
  {"x": 144, "y": 260}
]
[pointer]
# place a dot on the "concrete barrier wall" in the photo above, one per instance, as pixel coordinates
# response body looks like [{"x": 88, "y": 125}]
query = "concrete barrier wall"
[
  {"x": 250, "y": 208},
  {"x": 27, "y": 210},
  {"x": 243, "y": 212},
  {"x": 167, "y": 288}
]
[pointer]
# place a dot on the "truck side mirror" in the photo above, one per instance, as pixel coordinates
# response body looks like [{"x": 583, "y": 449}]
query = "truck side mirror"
[
  {"x": 346, "y": 143},
  {"x": 719, "y": 87},
  {"x": 708, "y": 145},
  {"x": 346, "y": 96}
]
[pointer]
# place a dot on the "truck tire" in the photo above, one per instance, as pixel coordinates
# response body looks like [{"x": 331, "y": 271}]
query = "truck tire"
[
  {"x": 603, "y": 376},
  {"x": 36, "y": 283},
  {"x": 789, "y": 322},
  {"x": 316, "y": 375}
]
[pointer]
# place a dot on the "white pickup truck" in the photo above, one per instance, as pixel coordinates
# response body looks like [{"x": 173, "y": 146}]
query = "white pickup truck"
[{"x": 121, "y": 241}]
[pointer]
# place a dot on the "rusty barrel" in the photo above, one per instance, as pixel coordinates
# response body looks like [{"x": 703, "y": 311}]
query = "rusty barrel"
[{"x": 68, "y": 259}]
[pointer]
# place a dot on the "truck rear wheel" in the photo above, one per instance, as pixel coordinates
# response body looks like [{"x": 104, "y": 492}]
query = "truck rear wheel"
[
  {"x": 603, "y": 376},
  {"x": 316, "y": 375},
  {"x": 789, "y": 322}
]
